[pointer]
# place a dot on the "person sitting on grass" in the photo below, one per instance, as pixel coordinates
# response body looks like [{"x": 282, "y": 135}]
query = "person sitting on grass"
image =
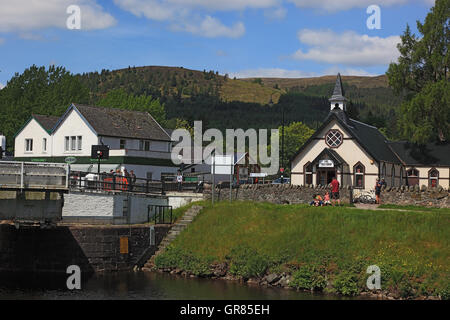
[{"x": 326, "y": 199}]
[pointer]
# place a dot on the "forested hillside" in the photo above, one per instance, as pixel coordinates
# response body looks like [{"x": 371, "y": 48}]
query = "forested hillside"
[{"x": 178, "y": 95}]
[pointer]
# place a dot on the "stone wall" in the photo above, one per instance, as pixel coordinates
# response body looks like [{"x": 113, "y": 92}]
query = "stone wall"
[
  {"x": 93, "y": 249},
  {"x": 290, "y": 194},
  {"x": 274, "y": 193}
]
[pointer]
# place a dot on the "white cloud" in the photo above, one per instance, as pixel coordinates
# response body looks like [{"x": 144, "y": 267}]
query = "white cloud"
[
  {"x": 271, "y": 73},
  {"x": 348, "y": 48},
  {"x": 284, "y": 73},
  {"x": 25, "y": 15},
  {"x": 342, "y": 5},
  {"x": 1, "y": 86},
  {"x": 211, "y": 28},
  {"x": 275, "y": 14},
  {"x": 189, "y": 16}
]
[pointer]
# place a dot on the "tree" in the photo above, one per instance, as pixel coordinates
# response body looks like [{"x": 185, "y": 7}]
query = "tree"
[
  {"x": 119, "y": 98},
  {"x": 296, "y": 134},
  {"x": 40, "y": 91},
  {"x": 422, "y": 75}
]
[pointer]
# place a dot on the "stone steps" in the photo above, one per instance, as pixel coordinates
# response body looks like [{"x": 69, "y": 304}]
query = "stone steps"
[{"x": 176, "y": 229}]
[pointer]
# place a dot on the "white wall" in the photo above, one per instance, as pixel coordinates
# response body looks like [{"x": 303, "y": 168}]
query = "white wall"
[
  {"x": 33, "y": 130},
  {"x": 73, "y": 125}
]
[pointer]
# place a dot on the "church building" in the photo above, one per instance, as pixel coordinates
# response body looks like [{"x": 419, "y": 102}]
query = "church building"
[{"x": 357, "y": 153}]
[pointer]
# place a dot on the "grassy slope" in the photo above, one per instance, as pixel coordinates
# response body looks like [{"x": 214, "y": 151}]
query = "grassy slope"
[{"x": 405, "y": 245}]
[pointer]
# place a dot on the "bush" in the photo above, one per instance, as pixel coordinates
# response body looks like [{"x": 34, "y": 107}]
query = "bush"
[
  {"x": 247, "y": 262},
  {"x": 308, "y": 277},
  {"x": 177, "y": 258},
  {"x": 346, "y": 283}
]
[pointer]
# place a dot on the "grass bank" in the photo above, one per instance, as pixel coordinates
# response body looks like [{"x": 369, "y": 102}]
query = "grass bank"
[{"x": 319, "y": 248}]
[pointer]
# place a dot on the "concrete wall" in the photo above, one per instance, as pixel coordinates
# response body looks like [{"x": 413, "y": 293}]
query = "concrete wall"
[
  {"x": 108, "y": 208},
  {"x": 93, "y": 249}
]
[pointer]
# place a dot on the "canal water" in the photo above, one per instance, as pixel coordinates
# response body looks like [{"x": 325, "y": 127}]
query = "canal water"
[{"x": 140, "y": 285}]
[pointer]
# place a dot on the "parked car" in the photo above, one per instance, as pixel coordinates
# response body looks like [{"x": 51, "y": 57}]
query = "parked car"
[{"x": 285, "y": 181}]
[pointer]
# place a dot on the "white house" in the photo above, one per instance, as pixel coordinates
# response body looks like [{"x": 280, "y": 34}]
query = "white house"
[
  {"x": 137, "y": 142},
  {"x": 357, "y": 153}
]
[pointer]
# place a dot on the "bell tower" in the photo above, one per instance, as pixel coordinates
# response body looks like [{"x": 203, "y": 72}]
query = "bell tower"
[{"x": 338, "y": 100}]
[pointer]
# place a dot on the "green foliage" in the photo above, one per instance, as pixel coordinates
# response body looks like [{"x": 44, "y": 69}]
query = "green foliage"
[
  {"x": 118, "y": 98},
  {"x": 39, "y": 90},
  {"x": 247, "y": 262},
  {"x": 346, "y": 283},
  {"x": 296, "y": 134},
  {"x": 308, "y": 277},
  {"x": 176, "y": 258},
  {"x": 422, "y": 74}
]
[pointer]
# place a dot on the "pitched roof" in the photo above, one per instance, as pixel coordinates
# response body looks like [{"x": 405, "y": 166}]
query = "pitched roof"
[
  {"x": 338, "y": 92},
  {"x": 431, "y": 154},
  {"x": 370, "y": 139},
  {"x": 122, "y": 123},
  {"x": 47, "y": 122}
]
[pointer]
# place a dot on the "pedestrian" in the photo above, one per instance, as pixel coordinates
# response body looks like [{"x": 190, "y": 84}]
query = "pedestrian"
[
  {"x": 335, "y": 191},
  {"x": 132, "y": 180},
  {"x": 378, "y": 186},
  {"x": 180, "y": 181}
]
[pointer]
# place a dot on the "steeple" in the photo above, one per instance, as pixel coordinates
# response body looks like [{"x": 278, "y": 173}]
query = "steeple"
[{"x": 338, "y": 100}]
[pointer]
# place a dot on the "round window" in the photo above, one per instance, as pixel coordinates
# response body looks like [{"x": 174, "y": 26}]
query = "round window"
[{"x": 334, "y": 138}]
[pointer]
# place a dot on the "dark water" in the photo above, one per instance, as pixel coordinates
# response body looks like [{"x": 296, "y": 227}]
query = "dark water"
[{"x": 139, "y": 285}]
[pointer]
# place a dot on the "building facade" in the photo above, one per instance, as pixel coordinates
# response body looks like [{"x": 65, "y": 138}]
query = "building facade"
[
  {"x": 357, "y": 154},
  {"x": 136, "y": 141}
]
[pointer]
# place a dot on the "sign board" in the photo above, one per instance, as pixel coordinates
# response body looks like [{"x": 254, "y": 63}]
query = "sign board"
[
  {"x": 326, "y": 164},
  {"x": 258, "y": 175},
  {"x": 70, "y": 160},
  {"x": 123, "y": 245},
  {"x": 97, "y": 150},
  {"x": 223, "y": 164}
]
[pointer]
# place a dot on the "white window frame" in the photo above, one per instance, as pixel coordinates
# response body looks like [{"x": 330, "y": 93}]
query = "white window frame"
[
  {"x": 29, "y": 145},
  {"x": 79, "y": 143},
  {"x": 44, "y": 144}
]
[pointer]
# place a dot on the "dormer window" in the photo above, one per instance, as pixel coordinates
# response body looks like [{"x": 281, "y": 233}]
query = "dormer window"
[{"x": 334, "y": 138}]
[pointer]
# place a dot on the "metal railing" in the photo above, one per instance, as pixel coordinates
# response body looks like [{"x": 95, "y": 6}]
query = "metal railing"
[
  {"x": 113, "y": 182},
  {"x": 32, "y": 175},
  {"x": 161, "y": 214}
]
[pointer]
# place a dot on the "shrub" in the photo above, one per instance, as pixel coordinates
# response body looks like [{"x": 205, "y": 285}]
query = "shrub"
[
  {"x": 346, "y": 283},
  {"x": 247, "y": 262},
  {"x": 177, "y": 258},
  {"x": 308, "y": 277}
]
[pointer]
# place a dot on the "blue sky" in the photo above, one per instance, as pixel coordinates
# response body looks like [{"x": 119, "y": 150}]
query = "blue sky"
[{"x": 278, "y": 38}]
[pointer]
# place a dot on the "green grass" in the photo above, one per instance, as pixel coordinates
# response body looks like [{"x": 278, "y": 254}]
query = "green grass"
[
  {"x": 411, "y": 248},
  {"x": 413, "y": 208}
]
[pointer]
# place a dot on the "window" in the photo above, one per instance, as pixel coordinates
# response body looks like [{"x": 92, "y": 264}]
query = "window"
[
  {"x": 412, "y": 177},
  {"x": 80, "y": 142},
  {"x": 433, "y": 178},
  {"x": 308, "y": 173},
  {"x": 73, "y": 143},
  {"x": 141, "y": 145},
  {"x": 334, "y": 138},
  {"x": 401, "y": 175},
  {"x": 392, "y": 176},
  {"x": 122, "y": 143},
  {"x": 44, "y": 144},
  {"x": 149, "y": 175},
  {"x": 146, "y": 145},
  {"x": 29, "y": 145},
  {"x": 359, "y": 171}
]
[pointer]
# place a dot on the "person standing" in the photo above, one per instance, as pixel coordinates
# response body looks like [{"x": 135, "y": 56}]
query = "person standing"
[
  {"x": 335, "y": 191},
  {"x": 132, "y": 180},
  {"x": 378, "y": 186},
  {"x": 180, "y": 181}
]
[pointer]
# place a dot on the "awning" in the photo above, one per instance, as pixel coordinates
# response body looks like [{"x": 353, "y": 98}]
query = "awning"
[
  {"x": 329, "y": 157},
  {"x": 93, "y": 167}
]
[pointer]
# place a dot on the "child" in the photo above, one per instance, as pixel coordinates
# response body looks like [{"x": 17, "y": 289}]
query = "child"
[
  {"x": 318, "y": 201},
  {"x": 326, "y": 199}
]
